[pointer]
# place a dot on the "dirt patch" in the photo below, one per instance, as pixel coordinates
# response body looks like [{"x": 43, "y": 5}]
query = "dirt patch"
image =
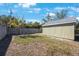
[{"x": 33, "y": 49}]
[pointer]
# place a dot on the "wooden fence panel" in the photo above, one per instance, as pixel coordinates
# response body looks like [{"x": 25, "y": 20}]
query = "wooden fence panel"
[
  {"x": 3, "y": 31},
  {"x": 19, "y": 31}
]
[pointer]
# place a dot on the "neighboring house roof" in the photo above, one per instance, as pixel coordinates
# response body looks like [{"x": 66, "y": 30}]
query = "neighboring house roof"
[{"x": 68, "y": 20}]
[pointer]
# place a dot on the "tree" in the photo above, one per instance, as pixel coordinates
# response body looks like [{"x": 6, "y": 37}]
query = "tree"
[
  {"x": 44, "y": 20},
  {"x": 14, "y": 22},
  {"x": 62, "y": 14},
  {"x": 47, "y": 18},
  {"x": 36, "y": 25},
  {"x": 4, "y": 19},
  {"x": 22, "y": 23}
]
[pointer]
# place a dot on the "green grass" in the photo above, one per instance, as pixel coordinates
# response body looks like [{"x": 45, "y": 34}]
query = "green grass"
[
  {"x": 28, "y": 39},
  {"x": 55, "y": 47}
]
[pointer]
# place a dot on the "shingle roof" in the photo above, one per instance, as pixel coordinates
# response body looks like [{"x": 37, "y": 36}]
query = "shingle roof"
[{"x": 61, "y": 21}]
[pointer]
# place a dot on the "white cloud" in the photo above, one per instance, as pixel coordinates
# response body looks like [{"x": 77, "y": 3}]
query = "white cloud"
[
  {"x": 37, "y": 10},
  {"x": 77, "y": 18},
  {"x": 13, "y": 11},
  {"x": 34, "y": 10},
  {"x": 51, "y": 14},
  {"x": 59, "y": 8},
  {"x": 48, "y": 10},
  {"x": 26, "y": 5},
  {"x": 33, "y": 20},
  {"x": 75, "y": 9}
]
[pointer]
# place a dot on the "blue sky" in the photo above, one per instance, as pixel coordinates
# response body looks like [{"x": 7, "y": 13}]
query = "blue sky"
[{"x": 37, "y": 11}]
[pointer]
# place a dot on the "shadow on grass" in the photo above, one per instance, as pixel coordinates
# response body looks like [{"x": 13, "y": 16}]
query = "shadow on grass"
[{"x": 4, "y": 44}]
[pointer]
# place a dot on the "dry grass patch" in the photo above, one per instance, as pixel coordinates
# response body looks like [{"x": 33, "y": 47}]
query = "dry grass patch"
[{"x": 41, "y": 45}]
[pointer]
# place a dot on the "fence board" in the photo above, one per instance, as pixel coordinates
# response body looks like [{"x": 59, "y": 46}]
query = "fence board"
[
  {"x": 19, "y": 31},
  {"x": 3, "y": 31}
]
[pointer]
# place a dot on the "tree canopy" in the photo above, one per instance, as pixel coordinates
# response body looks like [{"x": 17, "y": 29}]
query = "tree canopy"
[
  {"x": 14, "y": 22},
  {"x": 61, "y": 14},
  {"x": 58, "y": 15}
]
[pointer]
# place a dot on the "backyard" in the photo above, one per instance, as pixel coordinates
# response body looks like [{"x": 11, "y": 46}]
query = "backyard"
[
  {"x": 23, "y": 30},
  {"x": 41, "y": 45}
]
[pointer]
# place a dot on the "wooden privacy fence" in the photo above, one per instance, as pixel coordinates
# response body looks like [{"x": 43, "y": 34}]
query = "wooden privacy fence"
[
  {"x": 3, "y": 31},
  {"x": 19, "y": 31}
]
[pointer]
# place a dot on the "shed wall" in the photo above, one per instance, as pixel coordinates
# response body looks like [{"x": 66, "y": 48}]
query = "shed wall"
[{"x": 60, "y": 31}]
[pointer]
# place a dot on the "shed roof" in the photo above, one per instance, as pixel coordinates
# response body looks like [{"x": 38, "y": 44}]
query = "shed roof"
[{"x": 61, "y": 21}]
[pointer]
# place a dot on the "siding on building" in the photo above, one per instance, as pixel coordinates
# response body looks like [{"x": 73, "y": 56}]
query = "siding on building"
[{"x": 60, "y": 29}]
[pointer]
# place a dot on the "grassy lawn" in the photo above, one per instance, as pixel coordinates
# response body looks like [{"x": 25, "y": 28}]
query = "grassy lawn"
[{"x": 41, "y": 45}]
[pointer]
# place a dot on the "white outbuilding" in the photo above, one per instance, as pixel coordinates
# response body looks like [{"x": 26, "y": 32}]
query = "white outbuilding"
[{"x": 62, "y": 28}]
